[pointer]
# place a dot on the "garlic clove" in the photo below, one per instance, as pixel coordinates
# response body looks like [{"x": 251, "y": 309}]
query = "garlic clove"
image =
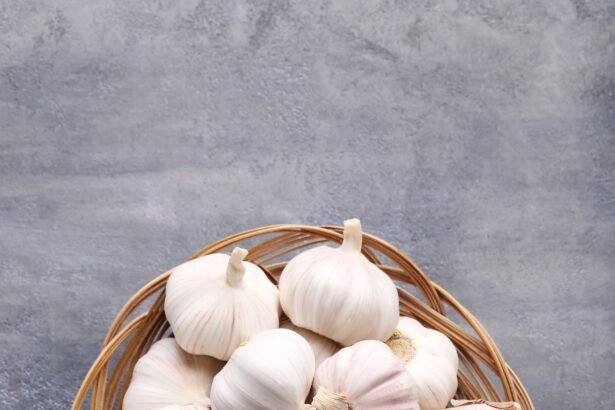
[
  {"x": 433, "y": 379},
  {"x": 431, "y": 358},
  {"x": 339, "y": 293},
  {"x": 167, "y": 377},
  {"x": 366, "y": 376},
  {"x": 322, "y": 347},
  {"x": 273, "y": 370},
  {"x": 215, "y": 302}
]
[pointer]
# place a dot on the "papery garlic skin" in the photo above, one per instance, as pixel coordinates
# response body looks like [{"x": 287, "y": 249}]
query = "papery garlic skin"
[
  {"x": 365, "y": 376},
  {"x": 481, "y": 404},
  {"x": 215, "y": 302},
  {"x": 271, "y": 371},
  {"x": 431, "y": 358},
  {"x": 339, "y": 293},
  {"x": 322, "y": 347},
  {"x": 167, "y": 377}
]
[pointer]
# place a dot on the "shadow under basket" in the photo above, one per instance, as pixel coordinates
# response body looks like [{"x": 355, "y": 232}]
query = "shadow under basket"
[{"x": 483, "y": 373}]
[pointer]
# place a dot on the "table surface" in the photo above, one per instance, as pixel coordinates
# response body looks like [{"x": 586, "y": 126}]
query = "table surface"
[{"x": 477, "y": 137}]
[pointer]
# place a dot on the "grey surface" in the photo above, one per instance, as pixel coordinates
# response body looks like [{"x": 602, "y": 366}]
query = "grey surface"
[{"x": 477, "y": 137}]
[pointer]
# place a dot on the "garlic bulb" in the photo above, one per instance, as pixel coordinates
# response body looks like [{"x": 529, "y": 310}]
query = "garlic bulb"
[
  {"x": 167, "y": 377},
  {"x": 322, "y": 347},
  {"x": 365, "y": 376},
  {"x": 339, "y": 293},
  {"x": 271, "y": 371},
  {"x": 217, "y": 301},
  {"x": 431, "y": 358}
]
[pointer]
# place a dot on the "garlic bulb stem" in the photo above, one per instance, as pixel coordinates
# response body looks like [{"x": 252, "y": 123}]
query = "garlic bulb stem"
[
  {"x": 402, "y": 346},
  {"x": 353, "y": 235},
  {"x": 235, "y": 268},
  {"x": 325, "y": 399}
]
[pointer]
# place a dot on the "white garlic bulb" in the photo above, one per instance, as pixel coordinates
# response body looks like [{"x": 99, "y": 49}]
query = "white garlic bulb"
[
  {"x": 217, "y": 301},
  {"x": 272, "y": 371},
  {"x": 167, "y": 377},
  {"x": 339, "y": 293},
  {"x": 322, "y": 347},
  {"x": 365, "y": 376},
  {"x": 431, "y": 358}
]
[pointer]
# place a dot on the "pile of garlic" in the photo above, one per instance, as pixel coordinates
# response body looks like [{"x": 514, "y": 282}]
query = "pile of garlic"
[{"x": 342, "y": 344}]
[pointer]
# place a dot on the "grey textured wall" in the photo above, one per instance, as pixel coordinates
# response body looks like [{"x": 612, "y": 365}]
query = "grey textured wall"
[{"x": 479, "y": 137}]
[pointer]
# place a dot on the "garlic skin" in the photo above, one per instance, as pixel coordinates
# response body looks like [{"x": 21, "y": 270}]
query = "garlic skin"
[
  {"x": 167, "y": 377},
  {"x": 431, "y": 358},
  {"x": 271, "y": 371},
  {"x": 215, "y": 302},
  {"x": 365, "y": 376},
  {"x": 481, "y": 404},
  {"x": 339, "y": 293},
  {"x": 322, "y": 347}
]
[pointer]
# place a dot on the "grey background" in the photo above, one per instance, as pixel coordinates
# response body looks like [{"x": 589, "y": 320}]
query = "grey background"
[{"x": 478, "y": 136}]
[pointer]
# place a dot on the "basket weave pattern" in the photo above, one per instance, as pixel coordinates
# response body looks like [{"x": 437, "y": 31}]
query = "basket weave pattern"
[{"x": 483, "y": 372}]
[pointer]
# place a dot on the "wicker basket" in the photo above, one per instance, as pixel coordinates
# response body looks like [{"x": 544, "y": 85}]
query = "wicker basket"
[{"x": 483, "y": 372}]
